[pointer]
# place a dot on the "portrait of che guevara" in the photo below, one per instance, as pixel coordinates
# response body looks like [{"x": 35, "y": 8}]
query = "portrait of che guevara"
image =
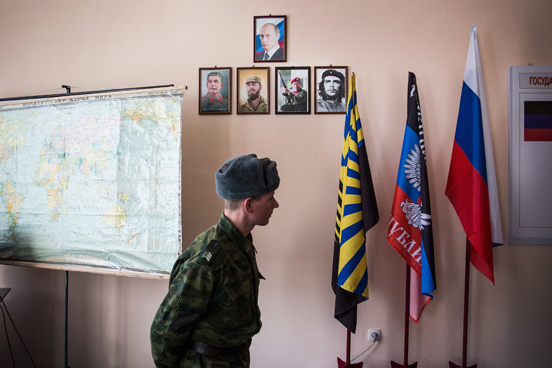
[{"x": 331, "y": 89}]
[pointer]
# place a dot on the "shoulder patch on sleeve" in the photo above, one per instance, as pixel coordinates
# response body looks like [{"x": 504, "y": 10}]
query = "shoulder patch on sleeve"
[{"x": 207, "y": 254}]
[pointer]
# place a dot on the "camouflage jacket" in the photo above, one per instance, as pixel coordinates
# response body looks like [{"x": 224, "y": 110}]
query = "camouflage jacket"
[
  {"x": 213, "y": 296},
  {"x": 298, "y": 101}
]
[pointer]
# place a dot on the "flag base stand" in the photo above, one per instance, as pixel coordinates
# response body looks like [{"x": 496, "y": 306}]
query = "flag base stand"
[
  {"x": 348, "y": 364},
  {"x": 342, "y": 364},
  {"x": 397, "y": 365},
  {"x": 466, "y": 307},
  {"x": 406, "y": 324},
  {"x": 452, "y": 365}
]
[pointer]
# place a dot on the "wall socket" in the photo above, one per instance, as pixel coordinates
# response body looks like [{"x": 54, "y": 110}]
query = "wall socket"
[{"x": 374, "y": 334}]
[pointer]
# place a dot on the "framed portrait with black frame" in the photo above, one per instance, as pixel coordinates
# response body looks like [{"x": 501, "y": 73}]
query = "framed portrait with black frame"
[
  {"x": 253, "y": 90},
  {"x": 331, "y": 89},
  {"x": 293, "y": 90},
  {"x": 215, "y": 91},
  {"x": 269, "y": 38}
]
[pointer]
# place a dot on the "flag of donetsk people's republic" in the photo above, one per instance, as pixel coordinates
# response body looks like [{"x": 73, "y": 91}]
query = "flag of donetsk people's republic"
[
  {"x": 410, "y": 227},
  {"x": 537, "y": 121},
  {"x": 357, "y": 212},
  {"x": 471, "y": 185}
]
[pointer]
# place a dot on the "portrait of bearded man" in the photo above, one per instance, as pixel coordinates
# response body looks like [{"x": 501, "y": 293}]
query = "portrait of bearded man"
[
  {"x": 255, "y": 102},
  {"x": 331, "y": 92}
]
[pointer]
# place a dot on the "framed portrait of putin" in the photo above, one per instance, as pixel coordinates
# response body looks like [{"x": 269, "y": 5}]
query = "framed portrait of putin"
[
  {"x": 253, "y": 90},
  {"x": 331, "y": 89},
  {"x": 270, "y": 38},
  {"x": 293, "y": 90},
  {"x": 215, "y": 91}
]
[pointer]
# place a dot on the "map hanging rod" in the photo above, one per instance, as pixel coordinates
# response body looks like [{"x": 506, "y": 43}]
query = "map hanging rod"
[{"x": 69, "y": 93}]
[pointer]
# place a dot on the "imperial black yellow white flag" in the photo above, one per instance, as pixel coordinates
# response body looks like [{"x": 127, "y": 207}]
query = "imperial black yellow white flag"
[{"x": 357, "y": 212}]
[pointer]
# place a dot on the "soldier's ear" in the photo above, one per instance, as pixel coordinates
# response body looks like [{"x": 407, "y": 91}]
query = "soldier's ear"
[{"x": 248, "y": 205}]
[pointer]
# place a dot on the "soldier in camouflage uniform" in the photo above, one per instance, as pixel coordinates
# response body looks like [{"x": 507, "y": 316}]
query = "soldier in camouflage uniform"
[
  {"x": 299, "y": 98},
  {"x": 211, "y": 311}
]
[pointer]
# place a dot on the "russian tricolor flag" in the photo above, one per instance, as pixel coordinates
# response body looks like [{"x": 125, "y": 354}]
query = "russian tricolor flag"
[{"x": 471, "y": 185}]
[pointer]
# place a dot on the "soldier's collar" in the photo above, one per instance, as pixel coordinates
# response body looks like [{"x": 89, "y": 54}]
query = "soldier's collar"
[{"x": 245, "y": 242}]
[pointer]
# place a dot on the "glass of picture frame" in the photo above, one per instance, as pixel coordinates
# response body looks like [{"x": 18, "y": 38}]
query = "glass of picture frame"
[
  {"x": 269, "y": 38},
  {"x": 292, "y": 90},
  {"x": 253, "y": 90},
  {"x": 215, "y": 91},
  {"x": 331, "y": 89}
]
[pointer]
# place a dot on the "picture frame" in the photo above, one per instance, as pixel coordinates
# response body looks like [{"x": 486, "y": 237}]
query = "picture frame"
[
  {"x": 270, "y": 32},
  {"x": 332, "y": 87},
  {"x": 215, "y": 91},
  {"x": 297, "y": 99},
  {"x": 253, "y": 90}
]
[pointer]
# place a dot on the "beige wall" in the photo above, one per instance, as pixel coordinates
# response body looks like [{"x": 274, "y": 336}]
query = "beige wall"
[{"x": 124, "y": 43}]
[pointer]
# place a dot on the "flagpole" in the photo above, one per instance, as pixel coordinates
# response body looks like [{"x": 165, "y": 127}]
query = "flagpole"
[
  {"x": 466, "y": 304},
  {"x": 347, "y": 363},
  {"x": 406, "y": 314},
  {"x": 466, "y": 308},
  {"x": 406, "y": 323},
  {"x": 348, "y": 347}
]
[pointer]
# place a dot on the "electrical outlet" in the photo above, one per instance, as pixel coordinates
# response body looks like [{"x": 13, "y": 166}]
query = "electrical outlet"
[{"x": 374, "y": 334}]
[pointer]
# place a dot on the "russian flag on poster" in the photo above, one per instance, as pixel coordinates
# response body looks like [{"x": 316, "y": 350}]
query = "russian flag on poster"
[
  {"x": 471, "y": 185},
  {"x": 259, "y": 46},
  {"x": 410, "y": 227}
]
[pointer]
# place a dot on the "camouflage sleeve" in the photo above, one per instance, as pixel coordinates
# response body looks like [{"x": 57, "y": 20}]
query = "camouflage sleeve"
[
  {"x": 298, "y": 99},
  {"x": 185, "y": 303}
]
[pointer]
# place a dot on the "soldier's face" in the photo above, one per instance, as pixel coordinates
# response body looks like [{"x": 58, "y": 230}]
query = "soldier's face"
[
  {"x": 269, "y": 37},
  {"x": 214, "y": 85},
  {"x": 296, "y": 86},
  {"x": 263, "y": 207},
  {"x": 253, "y": 89},
  {"x": 332, "y": 85}
]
